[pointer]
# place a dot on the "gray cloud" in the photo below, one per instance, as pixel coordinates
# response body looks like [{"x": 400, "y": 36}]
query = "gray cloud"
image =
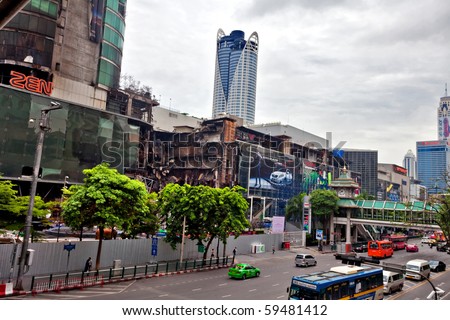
[{"x": 371, "y": 72}]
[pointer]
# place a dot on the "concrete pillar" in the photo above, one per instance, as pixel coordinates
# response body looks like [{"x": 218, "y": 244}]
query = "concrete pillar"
[
  {"x": 348, "y": 237},
  {"x": 332, "y": 239}
]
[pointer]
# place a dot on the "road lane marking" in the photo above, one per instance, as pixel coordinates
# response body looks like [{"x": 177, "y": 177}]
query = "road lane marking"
[
  {"x": 228, "y": 295},
  {"x": 163, "y": 295},
  {"x": 197, "y": 289},
  {"x": 223, "y": 284},
  {"x": 276, "y": 284},
  {"x": 251, "y": 290},
  {"x": 280, "y": 297}
]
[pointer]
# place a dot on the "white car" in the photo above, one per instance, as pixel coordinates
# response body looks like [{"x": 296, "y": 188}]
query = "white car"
[{"x": 281, "y": 177}]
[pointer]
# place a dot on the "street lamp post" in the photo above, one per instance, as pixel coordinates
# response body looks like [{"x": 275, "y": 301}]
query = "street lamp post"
[
  {"x": 60, "y": 208},
  {"x": 43, "y": 126}
]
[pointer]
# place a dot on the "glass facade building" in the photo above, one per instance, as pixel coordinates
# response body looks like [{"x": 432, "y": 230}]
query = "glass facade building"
[
  {"x": 433, "y": 164},
  {"x": 366, "y": 163},
  {"x": 235, "y": 75},
  {"x": 80, "y": 138},
  {"x": 112, "y": 43}
]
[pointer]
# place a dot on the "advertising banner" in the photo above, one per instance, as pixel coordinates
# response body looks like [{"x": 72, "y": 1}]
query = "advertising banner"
[
  {"x": 277, "y": 224},
  {"x": 268, "y": 173}
]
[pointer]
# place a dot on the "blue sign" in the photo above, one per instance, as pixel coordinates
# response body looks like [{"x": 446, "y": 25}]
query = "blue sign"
[
  {"x": 69, "y": 247},
  {"x": 154, "y": 246}
]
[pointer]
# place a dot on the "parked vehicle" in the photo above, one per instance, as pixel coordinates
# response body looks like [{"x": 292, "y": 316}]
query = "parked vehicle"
[
  {"x": 437, "y": 266},
  {"x": 412, "y": 247},
  {"x": 243, "y": 271},
  {"x": 417, "y": 269},
  {"x": 392, "y": 281},
  {"x": 442, "y": 246},
  {"x": 426, "y": 240},
  {"x": 305, "y": 260},
  {"x": 360, "y": 247}
]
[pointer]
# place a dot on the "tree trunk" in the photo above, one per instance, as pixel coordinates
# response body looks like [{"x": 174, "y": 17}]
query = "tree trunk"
[{"x": 99, "y": 248}]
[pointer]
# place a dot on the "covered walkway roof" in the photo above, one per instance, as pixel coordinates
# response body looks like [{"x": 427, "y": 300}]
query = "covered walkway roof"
[{"x": 396, "y": 206}]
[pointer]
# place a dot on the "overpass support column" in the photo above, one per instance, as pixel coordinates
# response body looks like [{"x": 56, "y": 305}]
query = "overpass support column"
[
  {"x": 348, "y": 235},
  {"x": 332, "y": 229}
]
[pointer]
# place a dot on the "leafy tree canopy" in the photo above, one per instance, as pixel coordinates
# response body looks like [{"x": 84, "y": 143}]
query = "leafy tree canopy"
[
  {"x": 206, "y": 212},
  {"x": 324, "y": 202}
]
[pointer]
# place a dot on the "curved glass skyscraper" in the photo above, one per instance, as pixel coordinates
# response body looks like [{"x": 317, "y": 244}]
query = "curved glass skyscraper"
[{"x": 235, "y": 75}]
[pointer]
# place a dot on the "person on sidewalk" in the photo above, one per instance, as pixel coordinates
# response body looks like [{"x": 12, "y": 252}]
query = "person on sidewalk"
[{"x": 88, "y": 265}]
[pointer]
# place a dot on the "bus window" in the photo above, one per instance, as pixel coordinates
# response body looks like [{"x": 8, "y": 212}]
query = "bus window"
[
  {"x": 336, "y": 295},
  {"x": 373, "y": 245},
  {"x": 344, "y": 289}
]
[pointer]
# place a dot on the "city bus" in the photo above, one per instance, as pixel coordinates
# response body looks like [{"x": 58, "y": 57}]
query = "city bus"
[
  {"x": 380, "y": 249},
  {"x": 345, "y": 282},
  {"x": 398, "y": 241}
]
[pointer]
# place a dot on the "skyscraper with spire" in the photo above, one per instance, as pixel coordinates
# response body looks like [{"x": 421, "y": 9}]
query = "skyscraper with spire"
[
  {"x": 444, "y": 117},
  {"x": 410, "y": 163},
  {"x": 235, "y": 75}
]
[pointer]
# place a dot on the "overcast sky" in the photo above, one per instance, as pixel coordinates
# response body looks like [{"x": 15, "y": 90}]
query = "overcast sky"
[{"x": 369, "y": 72}]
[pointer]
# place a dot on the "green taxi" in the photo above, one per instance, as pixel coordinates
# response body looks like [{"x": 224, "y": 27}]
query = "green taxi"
[{"x": 243, "y": 271}]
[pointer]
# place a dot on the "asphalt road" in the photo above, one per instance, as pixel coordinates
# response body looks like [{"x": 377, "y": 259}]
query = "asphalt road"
[{"x": 276, "y": 272}]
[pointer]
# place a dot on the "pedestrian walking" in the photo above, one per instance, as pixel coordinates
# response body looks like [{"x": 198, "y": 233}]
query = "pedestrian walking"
[
  {"x": 88, "y": 265},
  {"x": 234, "y": 252},
  {"x": 212, "y": 253},
  {"x": 273, "y": 249}
]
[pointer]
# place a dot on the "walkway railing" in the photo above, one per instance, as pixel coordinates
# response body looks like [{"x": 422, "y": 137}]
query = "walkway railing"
[{"x": 73, "y": 280}]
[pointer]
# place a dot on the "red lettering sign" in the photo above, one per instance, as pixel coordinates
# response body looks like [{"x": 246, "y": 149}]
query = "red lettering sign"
[
  {"x": 400, "y": 170},
  {"x": 30, "y": 83}
]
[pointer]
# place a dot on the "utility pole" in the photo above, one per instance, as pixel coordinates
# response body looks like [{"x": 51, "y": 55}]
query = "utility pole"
[
  {"x": 60, "y": 208},
  {"x": 182, "y": 241},
  {"x": 43, "y": 127}
]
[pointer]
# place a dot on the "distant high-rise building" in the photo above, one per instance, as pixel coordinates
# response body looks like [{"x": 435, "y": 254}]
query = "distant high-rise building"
[
  {"x": 366, "y": 163},
  {"x": 235, "y": 75},
  {"x": 433, "y": 159},
  {"x": 410, "y": 163},
  {"x": 444, "y": 118}
]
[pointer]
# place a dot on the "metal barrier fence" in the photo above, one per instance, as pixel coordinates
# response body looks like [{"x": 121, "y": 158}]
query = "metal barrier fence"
[{"x": 73, "y": 280}]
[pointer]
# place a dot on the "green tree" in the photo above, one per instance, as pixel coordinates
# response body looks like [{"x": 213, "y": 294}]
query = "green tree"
[
  {"x": 294, "y": 207},
  {"x": 107, "y": 199},
  {"x": 441, "y": 208},
  {"x": 205, "y": 212},
  {"x": 14, "y": 209},
  {"x": 230, "y": 215},
  {"x": 323, "y": 204},
  {"x": 364, "y": 196}
]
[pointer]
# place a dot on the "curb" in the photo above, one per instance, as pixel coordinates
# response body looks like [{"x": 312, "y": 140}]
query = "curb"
[{"x": 81, "y": 287}]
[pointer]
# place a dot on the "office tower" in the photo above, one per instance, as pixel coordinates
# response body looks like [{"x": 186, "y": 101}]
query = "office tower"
[
  {"x": 444, "y": 118},
  {"x": 235, "y": 75},
  {"x": 410, "y": 163},
  {"x": 366, "y": 163},
  {"x": 433, "y": 159}
]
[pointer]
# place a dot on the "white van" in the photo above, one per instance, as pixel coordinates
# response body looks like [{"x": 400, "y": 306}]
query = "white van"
[
  {"x": 417, "y": 269},
  {"x": 392, "y": 281}
]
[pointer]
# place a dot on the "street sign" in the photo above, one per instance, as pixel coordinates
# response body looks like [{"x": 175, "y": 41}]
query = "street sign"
[
  {"x": 69, "y": 247},
  {"x": 154, "y": 246}
]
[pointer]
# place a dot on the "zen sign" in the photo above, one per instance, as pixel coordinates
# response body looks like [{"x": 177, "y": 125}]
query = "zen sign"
[{"x": 30, "y": 83}]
